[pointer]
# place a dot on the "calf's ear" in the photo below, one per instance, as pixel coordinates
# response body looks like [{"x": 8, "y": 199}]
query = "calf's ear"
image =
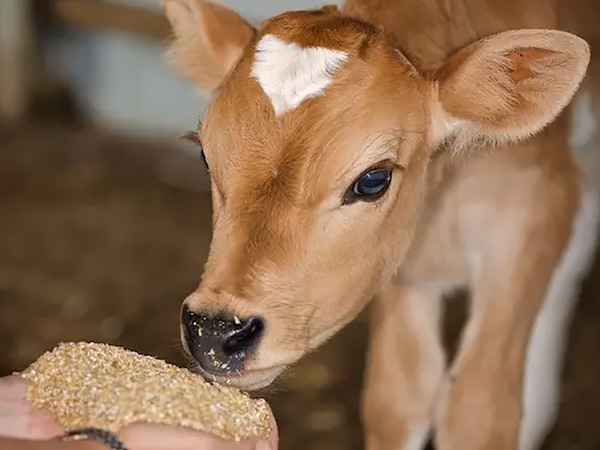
[
  {"x": 509, "y": 86},
  {"x": 209, "y": 39}
]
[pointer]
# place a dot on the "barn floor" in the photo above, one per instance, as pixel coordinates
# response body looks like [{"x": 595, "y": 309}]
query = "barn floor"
[{"x": 101, "y": 238}]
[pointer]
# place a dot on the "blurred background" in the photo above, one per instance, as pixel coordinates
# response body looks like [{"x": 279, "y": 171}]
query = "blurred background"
[{"x": 105, "y": 214}]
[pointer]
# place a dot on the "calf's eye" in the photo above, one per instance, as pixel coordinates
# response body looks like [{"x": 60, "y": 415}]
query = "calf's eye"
[{"x": 370, "y": 186}]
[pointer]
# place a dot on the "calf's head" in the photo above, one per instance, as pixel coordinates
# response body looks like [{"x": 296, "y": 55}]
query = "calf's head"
[{"x": 317, "y": 141}]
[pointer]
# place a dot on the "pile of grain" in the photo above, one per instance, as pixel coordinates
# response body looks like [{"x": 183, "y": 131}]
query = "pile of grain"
[{"x": 98, "y": 385}]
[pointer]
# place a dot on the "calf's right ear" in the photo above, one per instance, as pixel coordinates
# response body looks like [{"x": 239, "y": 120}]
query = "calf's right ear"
[{"x": 209, "y": 39}]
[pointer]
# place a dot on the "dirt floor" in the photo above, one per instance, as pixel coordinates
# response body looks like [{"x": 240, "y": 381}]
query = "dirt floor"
[{"x": 101, "y": 238}]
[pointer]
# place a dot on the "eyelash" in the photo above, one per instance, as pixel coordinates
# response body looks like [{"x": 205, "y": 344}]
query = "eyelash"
[{"x": 203, "y": 156}]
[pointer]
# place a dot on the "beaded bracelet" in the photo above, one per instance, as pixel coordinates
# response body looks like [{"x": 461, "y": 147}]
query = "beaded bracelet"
[{"x": 95, "y": 434}]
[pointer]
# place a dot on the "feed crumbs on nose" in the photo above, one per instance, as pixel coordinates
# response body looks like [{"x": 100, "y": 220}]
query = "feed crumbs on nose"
[{"x": 98, "y": 385}]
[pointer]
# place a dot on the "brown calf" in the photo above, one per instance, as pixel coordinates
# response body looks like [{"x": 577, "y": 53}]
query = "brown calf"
[{"x": 398, "y": 150}]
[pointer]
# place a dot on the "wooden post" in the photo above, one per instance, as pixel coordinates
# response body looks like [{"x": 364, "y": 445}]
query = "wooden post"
[
  {"x": 18, "y": 64},
  {"x": 17, "y": 57}
]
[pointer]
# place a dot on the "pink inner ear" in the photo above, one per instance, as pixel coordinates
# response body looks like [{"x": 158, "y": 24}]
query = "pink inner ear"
[{"x": 522, "y": 60}]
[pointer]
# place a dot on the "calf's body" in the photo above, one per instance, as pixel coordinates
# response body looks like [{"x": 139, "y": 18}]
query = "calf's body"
[
  {"x": 396, "y": 151},
  {"x": 518, "y": 227}
]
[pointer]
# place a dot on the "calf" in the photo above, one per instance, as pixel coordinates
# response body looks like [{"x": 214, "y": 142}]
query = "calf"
[{"x": 396, "y": 151}]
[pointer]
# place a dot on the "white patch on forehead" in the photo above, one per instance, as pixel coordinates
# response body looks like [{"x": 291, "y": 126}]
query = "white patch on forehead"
[{"x": 289, "y": 74}]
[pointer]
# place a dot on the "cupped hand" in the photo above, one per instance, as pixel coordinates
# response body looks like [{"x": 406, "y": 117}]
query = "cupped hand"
[{"x": 20, "y": 420}]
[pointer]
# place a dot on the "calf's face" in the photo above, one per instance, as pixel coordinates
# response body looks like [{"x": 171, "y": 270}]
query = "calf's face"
[{"x": 317, "y": 141}]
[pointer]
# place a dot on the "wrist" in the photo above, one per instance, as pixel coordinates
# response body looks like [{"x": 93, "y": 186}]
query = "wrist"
[{"x": 106, "y": 438}]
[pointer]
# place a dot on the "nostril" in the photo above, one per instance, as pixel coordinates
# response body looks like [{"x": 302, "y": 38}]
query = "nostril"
[
  {"x": 220, "y": 342},
  {"x": 246, "y": 334}
]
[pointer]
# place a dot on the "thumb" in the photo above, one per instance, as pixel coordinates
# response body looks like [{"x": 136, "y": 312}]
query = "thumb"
[{"x": 155, "y": 436}]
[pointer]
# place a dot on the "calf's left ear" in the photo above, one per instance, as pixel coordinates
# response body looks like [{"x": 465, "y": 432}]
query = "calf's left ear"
[{"x": 509, "y": 86}]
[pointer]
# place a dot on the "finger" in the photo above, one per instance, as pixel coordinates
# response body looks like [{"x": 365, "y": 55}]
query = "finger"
[
  {"x": 155, "y": 436},
  {"x": 273, "y": 441},
  {"x": 37, "y": 425},
  {"x": 42, "y": 425},
  {"x": 13, "y": 387}
]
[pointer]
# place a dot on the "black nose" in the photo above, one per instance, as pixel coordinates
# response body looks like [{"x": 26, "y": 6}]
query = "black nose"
[{"x": 221, "y": 343}]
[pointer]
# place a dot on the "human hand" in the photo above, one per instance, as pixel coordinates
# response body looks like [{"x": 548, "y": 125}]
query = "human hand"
[{"x": 18, "y": 418}]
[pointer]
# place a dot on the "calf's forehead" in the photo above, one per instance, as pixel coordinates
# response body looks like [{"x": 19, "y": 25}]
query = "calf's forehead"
[{"x": 288, "y": 100}]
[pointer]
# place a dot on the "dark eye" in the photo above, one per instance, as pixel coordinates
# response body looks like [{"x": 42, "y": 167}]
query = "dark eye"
[{"x": 370, "y": 186}]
